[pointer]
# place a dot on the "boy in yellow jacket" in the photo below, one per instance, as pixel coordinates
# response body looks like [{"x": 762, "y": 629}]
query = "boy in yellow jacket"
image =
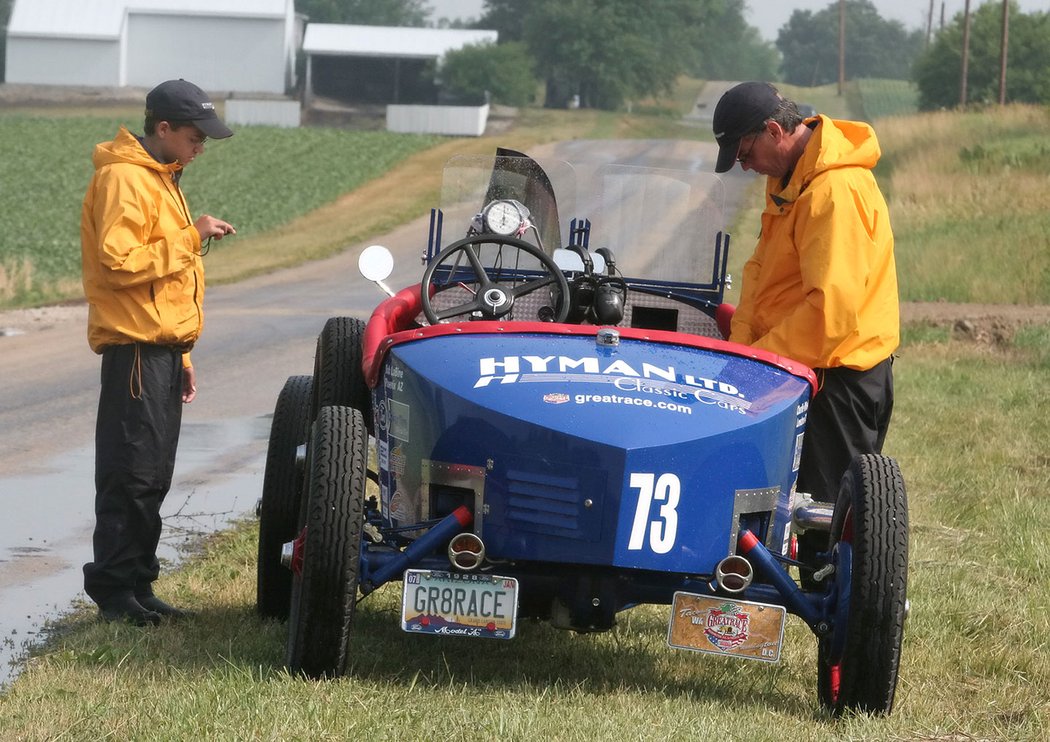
[
  {"x": 821, "y": 286},
  {"x": 144, "y": 281}
]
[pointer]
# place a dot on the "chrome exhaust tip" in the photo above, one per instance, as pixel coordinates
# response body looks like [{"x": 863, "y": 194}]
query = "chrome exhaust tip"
[
  {"x": 466, "y": 551},
  {"x": 734, "y": 574},
  {"x": 809, "y": 515}
]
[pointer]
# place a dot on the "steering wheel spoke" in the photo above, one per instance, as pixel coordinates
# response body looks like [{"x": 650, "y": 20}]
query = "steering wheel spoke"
[
  {"x": 534, "y": 285},
  {"x": 459, "y": 310}
]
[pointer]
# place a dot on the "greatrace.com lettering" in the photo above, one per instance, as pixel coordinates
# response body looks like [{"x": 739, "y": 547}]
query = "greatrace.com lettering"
[{"x": 658, "y": 404}]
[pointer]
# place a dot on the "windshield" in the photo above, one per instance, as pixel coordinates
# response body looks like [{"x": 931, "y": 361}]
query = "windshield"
[{"x": 661, "y": 225}]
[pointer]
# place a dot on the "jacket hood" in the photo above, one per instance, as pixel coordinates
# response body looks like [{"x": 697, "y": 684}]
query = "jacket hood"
[
  {"x": 126, "y": 148},
  {"x": 834, "y": 144}
]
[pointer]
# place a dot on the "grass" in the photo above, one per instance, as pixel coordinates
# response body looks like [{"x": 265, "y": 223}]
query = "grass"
[
  {"x": 970, "y": 430},
  {"x": 967, "y": 193},
  {"x": 877, "y": 99},
  {"x": 975, "y": 664}
]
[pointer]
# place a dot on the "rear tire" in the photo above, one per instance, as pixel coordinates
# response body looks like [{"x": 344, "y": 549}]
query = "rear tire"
[
  {"x": 324, "y": 595},
  {"x": 281, "y": 496},
  {"x": 339, "y": 379},
  {"x": 857, "y": 664}
]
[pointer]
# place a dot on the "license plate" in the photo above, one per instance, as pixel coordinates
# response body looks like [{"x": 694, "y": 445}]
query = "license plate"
[
  {"x": 455, "y": 604},
  {"x": 735, "y": 628}
]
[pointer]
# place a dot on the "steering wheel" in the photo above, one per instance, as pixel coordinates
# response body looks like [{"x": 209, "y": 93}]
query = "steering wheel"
[{"x": 492, "y": 299}]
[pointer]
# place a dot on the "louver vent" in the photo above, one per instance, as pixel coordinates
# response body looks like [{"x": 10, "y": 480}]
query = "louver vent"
[{"x": 544, "y": 502}]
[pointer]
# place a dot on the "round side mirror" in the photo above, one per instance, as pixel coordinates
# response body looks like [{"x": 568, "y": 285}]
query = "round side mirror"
[{"x": 375, "y": 263}]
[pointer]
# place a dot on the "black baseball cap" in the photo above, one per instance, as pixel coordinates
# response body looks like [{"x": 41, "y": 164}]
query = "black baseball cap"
[
  {"x": 740, "y": 111},
  {"x": 179, "y": 100}
]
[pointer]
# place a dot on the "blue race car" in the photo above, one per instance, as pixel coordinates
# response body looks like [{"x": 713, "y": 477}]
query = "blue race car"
[{"x": 551, "y": 425}]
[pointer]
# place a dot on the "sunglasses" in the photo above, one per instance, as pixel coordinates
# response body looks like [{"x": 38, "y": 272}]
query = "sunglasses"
[{"x": 742, "y": 157}]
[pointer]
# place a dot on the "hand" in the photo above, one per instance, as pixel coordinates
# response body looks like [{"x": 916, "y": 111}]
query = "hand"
[
  {"x": 209, "y": 227},
  {"x": 189, "y": 384}
]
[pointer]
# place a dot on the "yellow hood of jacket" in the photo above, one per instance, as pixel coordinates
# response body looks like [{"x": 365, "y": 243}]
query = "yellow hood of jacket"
[
  {"x": 142, "y": 270},
  {"x": 821, "y": 286}
]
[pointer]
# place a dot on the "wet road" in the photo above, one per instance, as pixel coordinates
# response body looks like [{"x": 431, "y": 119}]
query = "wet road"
[{"x": 258, "y": 332}]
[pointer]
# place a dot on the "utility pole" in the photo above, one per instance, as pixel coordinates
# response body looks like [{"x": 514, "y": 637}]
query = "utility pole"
[
  {"x": 1005, "y": 43},
  {"x": 965, "y": 55},
  {"x": 842, "y": 47},
  {"x": 929, "y": 24}
]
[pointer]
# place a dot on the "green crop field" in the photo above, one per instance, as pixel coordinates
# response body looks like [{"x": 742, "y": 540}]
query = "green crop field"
[{"x": 259, "y": 179}]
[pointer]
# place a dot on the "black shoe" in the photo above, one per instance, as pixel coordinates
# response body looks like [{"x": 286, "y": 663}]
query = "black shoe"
[
  {"x": 156, "y": 605},
  {"x": 125, "y": 608}
]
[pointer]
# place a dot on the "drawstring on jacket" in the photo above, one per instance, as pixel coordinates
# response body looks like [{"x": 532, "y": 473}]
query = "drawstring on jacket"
[{"x": 135, "y": 382}]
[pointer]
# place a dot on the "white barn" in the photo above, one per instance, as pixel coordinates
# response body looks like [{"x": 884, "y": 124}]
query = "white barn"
[{"x": 222, "y": 45}]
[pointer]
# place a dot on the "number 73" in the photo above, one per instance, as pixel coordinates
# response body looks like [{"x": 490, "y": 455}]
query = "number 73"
[{"x": 663, "y": 529}]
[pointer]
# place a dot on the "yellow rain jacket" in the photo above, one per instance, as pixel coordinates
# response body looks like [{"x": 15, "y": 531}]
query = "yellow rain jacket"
[
  {"x": 142, "y": 269},
  {"x": 821, "y": 286}
]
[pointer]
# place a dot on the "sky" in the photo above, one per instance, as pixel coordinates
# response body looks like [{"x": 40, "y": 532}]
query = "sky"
[{"x": 769, "y": 15}]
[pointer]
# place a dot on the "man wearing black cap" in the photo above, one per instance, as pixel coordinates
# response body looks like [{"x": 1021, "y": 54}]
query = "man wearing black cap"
[
  {"x": 821, "y": 286},
  {"x": 144, "y": 281}
]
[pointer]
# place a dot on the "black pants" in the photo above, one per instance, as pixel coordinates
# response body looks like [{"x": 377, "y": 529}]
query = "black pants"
[
  {"x": 848, "y": 417},
  {"x": 136, "y": 436}
]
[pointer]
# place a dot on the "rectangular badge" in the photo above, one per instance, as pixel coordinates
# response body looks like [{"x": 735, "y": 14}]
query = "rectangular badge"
[{"x": 734, "y": 628}]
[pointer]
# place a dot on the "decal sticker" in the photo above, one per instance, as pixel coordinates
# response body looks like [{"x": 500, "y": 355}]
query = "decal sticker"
[
  {"x": 384, "y": 455},
  {"x": 648, "y": 379},
  {"x": 663, "y": 529},
  {"x": 737, "y": 628},
  {"x": 381, "y": 417},
  {"x": 727, "y": 627},
  {"x": 397, "y": 504},
  {"x": 556, "y": 398},
  {"x": 399, "y": 420},
  {"x": 797, "y": 461},
  {"x": 397, "y": 461},
  {"x": 619, "y": 399}
]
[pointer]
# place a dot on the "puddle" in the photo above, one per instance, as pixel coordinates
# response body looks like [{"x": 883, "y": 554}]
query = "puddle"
[{"x": 45, "y": 532}]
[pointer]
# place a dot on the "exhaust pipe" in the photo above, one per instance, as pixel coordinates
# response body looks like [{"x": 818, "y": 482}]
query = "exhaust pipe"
[
  {"x": 734, "y": 574},
  {"x": 810, "y": 515},
  {"x": 466, "y": 551}
]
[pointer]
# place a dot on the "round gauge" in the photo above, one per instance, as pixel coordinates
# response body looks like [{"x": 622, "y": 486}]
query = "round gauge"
[{"x": 503, "y": 217}]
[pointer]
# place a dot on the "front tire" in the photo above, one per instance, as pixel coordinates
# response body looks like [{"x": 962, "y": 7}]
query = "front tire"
[
  {"x": 324, "y": 594},
  {"x": 339, "y": 379},
  {"x": 857, "y": 664}
]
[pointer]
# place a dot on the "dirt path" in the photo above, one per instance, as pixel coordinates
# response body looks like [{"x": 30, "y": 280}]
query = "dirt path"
[{"x": 993, "y": 324}]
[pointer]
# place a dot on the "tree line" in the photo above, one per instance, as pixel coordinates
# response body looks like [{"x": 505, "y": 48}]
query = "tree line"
[{"x": 605, "y": 53}]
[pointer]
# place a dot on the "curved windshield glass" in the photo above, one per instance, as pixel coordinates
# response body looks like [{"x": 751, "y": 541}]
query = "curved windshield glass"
[{"x": 658, "y": 224}]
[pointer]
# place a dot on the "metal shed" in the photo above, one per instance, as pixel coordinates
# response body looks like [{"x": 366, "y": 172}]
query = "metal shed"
[
  {"x": 222, "y": 45},
  {"x": 379, "y": 64}
]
